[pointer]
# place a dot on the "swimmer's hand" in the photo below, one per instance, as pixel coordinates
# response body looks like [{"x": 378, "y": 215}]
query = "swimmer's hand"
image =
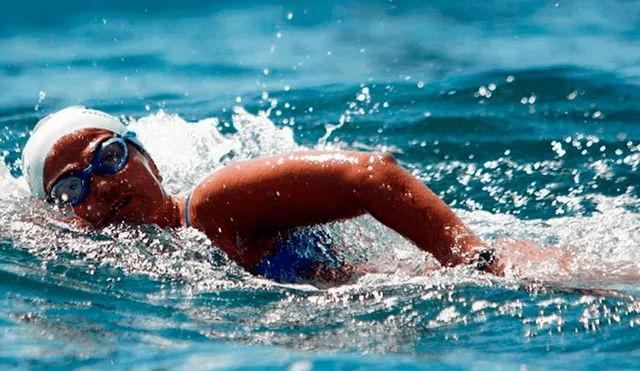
[
  {"x": 525, "y": 259},
  {"x": 70, "y": 224},
  {"x": 67, "y": 222},
  {"x": 76, "y": 222}
]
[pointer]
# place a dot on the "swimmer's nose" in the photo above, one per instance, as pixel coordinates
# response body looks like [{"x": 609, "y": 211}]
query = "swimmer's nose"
[
  {"x": 106, "y": 187},
  {"x": 103, "y": 191}
]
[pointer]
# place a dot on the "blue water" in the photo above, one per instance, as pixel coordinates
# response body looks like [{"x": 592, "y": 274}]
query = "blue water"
[{"x": 522, "y": 115}]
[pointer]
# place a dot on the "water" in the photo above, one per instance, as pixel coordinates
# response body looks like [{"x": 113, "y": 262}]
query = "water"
[{"x": 522, "y": 115}]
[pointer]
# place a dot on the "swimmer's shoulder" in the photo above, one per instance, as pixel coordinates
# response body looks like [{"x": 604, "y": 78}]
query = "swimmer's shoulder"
[{"x": 218, "y": 202}]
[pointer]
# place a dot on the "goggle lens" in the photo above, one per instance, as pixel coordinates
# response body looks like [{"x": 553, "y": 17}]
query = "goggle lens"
[
  {"x": 112, "y": 156},
  {"x": 68, "y": 190}
]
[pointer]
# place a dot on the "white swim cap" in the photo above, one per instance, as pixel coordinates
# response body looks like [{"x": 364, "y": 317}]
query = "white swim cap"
[{"x": 53, "y": 127}]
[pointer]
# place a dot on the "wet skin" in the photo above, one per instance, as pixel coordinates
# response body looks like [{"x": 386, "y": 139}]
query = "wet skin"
[
  {"x": 134, "y": 194},
  {"x": 243, "y": 207}
]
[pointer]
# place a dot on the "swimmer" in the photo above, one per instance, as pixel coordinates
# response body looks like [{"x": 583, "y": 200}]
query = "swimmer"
[{"x": 90, "y": 162}]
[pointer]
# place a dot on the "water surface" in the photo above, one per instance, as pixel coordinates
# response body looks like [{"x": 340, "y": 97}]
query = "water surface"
[{"x": 522, "y": 116}]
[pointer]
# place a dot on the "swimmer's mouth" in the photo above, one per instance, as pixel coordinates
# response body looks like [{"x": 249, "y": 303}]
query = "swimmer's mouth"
[{"x": 120, "y": 204}]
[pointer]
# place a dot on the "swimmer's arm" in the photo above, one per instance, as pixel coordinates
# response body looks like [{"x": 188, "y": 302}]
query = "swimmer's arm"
[
  {"x": 273, "y": 194},
  {"x": 76, "y": 221}
]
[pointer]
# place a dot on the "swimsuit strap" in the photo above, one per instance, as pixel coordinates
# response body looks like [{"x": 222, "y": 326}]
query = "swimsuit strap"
[{"x": 186, "y": 210}]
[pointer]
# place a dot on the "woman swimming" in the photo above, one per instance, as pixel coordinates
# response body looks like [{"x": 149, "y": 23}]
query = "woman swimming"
[{"x": 88, "y": 160}]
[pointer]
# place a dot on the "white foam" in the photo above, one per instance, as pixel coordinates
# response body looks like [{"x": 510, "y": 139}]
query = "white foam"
[{"x": 186, "y": 152}]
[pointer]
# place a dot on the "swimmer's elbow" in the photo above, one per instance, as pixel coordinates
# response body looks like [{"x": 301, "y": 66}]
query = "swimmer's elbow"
[
  {"x": 373, "y": 168},
  {"x": 387, "y": 158}
]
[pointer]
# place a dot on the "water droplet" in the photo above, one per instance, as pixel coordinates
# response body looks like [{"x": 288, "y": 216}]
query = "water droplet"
[{"x": 41, "y": 97}]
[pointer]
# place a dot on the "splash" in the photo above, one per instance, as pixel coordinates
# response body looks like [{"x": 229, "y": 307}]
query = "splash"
[
  {"x": 186, "y": 152},
  {"x": 402, "y": 303}
]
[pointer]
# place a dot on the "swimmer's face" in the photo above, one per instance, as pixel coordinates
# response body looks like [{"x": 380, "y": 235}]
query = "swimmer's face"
[{"x": 133, "y": 194}]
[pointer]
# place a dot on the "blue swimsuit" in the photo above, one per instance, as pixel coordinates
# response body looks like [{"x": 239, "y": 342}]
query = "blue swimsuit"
[{"x": 299, "y": 256}]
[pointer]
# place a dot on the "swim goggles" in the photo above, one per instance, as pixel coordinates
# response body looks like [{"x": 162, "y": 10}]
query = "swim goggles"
[{"x": 109, "y": 158}]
